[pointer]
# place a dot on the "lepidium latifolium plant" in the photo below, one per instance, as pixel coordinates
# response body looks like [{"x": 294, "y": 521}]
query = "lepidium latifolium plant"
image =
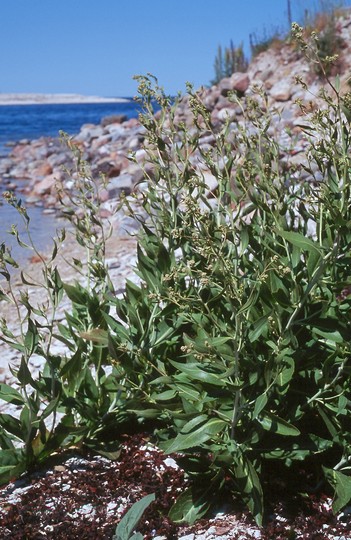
[
  {"x": 69, "y": 401},
  {"x": 235, "y": 347}
]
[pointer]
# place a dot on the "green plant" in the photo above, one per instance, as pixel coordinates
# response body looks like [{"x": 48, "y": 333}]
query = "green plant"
[
  {"x": 73, "y": 396},
  {"x": 263, "y": 42},
  {"x": 238, "y": 336},
  {"x": 228, "y": 62},
  {"x": 126, "y": 527},
  {"x": 317, "y": 17}
]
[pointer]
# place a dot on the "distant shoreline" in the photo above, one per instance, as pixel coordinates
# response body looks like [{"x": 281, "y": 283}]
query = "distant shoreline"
[{"x": 55, "y": 99}]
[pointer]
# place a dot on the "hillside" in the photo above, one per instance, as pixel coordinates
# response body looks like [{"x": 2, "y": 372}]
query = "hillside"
[{"x": 106, "y": 146}]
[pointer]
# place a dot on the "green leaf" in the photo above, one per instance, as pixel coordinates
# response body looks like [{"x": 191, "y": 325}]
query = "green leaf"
[
  {"x": 90, "y": 388},
  {"x": 300, "y": 241},
  {"x": 162, "y": 333},
  {"x": 11, "y": 425},
  {"x": 260, "y": 404},
  {"x": 259, "y": 327},
  {"x": 117, "y": 327},
  {"x": 287, "y": 371},
  {"x": 310, "y": 445},
  {"x": 185, "y": 389},
  {"x": 334, "y": 337},
  {"x": 146, "y": 270},
  {"x": 249, "y": 484},
  {"x": 193, "y": 423},
  {"x": 77, "y": 294},
  {"x": 183, "y": 441},
  {"x": 193, "y": 503},
  {"x": 31, "y": 338},
  {"x": 272, "y": 422},
  {"x": 342, "y": 486},
  {"x": 295, "y": 256},
  {"x": 330, "y": 423},
  {"x": 146, "y": 413},
  {"x": 129, "y": 522},
  {"x": 10, "y": 395},
  {"x": 12, "y": 464},
  {"x": 164, "y": 396},
  {"x": 196, "y": 372},
  {"x": 244, "y": 240},
  {"x": 96, "y": 335},
  {"x": 52, "y": 406},
  {"x": 23, "y": 374},
  {"x": 313, "y": 261},
  {"x": 73, "y": 366}
]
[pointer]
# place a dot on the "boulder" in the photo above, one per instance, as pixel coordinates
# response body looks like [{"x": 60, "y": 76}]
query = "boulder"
[
  {"x": 41, "y": 169},
  {"x": 225, "y": 86},
  {"x": 89, "y": 132},
  {"x": 106, "y": 167},
  {"x": 5, "y": 165},
  {"x": 225, "y": 114},
  {"x": 45, "y": 186},
  {"x": 113, "y": 119},
  {"x": 281, "y": 90},
  {"x": 123, "y": 182},
  {"x": 61, "y": 158},
  {"x": 211, "y": 183},
  {"x": 240, "y": 82},
  {"x": 134, "y": 143}
]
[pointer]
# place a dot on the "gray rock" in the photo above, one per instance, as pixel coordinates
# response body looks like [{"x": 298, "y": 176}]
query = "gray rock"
[
  {"x": 281, "y": 90},
  {"x": 89, "y": 132},
  {"x": 116, "y": 131},
  {"x": 107, "y": 167},
  {"x": 123, "y": 182},
  {"x": 207, "y": 139},
  {"x": 134, "y": 143},
  {"x": 225, "y": 86},
  {"x": 266, "y": 74},
  {"x": 227, "y": 113},
  {"x": 140, "y": 155},
  {"x": 5, "y": 165},
  {"x": 63, "y": 158}
]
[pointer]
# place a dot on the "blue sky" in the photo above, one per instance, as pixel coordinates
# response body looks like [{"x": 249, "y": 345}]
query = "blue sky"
[{"x": 95, "y": 47}]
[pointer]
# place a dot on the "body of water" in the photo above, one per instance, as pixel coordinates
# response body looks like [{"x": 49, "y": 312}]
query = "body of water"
[
  {"x": 33, "y": 121},
  {"x": 18, "y": 122}
]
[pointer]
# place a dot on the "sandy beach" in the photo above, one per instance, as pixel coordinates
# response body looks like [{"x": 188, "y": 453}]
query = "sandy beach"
[{"x": 37, "y": 99}]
